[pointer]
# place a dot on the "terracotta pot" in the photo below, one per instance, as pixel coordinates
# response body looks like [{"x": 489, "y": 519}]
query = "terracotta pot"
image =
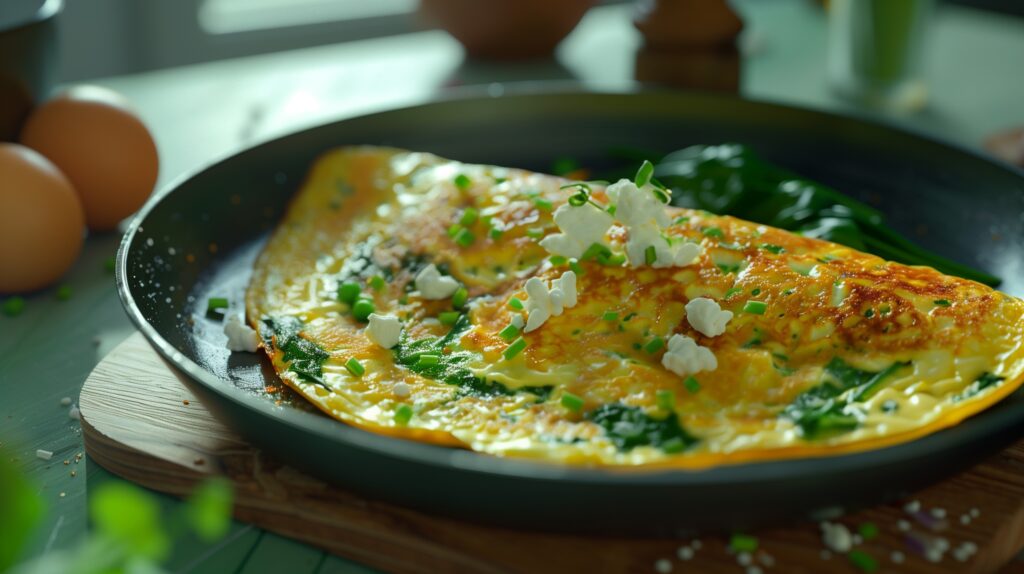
[{"x": 506, "y": 29}]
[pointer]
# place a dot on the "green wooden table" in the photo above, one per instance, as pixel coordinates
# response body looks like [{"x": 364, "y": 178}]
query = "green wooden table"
[{"x": 201, "y": 112}]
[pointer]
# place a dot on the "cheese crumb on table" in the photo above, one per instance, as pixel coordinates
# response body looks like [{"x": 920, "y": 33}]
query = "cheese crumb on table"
[
  {"x": 44, "y": 454},
  {"x": 836, "y": 537}
]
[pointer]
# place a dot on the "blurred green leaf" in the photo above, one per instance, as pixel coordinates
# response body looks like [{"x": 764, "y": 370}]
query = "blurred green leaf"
[
  {"x": 130, "y": 517},
  {"x": 20, "y": 511},
  {"x": 209, "y": 509}
]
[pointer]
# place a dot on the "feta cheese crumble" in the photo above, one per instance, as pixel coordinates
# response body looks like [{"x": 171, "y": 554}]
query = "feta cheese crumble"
[
  {"x": 544, "y": 302},
  {"x": 707, "y": 317},
  {"x": 644, "y": 216},
  {"x": 685, "y": 357},
  {"x": 581, "y": 226},
  {"x": 44, "y": 454},
  {"x": 836, "y": 537},
  {"x": 384, "y": 330},
  {"x": 432, "y": 285},
  {"x": 635, "y": 206},
  {"x": 241, "y": 337},
  {"x": 517, "y": 321}
]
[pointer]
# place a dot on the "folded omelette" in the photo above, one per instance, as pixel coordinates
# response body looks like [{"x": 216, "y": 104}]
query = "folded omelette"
[{"x": 524, "y": 315}]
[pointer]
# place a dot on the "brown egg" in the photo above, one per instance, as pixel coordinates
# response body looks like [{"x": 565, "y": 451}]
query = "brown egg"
[
  {"x": 102, "y": 146},
  {"x": 41, "y": 221}
]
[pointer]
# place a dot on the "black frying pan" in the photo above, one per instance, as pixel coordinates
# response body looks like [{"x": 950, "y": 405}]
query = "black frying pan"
[{"x": 200, "y": 239}]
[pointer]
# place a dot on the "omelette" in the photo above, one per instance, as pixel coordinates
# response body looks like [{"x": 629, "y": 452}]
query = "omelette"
[{"x": 524, "y": 315}]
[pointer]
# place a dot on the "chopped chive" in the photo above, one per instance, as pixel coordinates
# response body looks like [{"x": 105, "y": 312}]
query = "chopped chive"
[
  {"x": 673, "y": 445},
  {"x": 542, "y": 204},
  {"x": 348, "y": 292},
  {"x": 535, "y": 232},
  {"x": 743, "y": 543},
  {"x": 514, "y": 349},
  {"x": 713, "y": 232},
  {"x": 454, "y": 229},
  {"x": 611, "y": 210},
  {"x": 214, "y": 304},
  {"x": 427, "y": 360},
  {"x": 377, "y": 282},
  {"x": 462, "y": 182},
  {"x": 654, "y": 345},
  {"x": 448, "y": 318},
  {"x": 756, "y": 291},
  {"x": 595, "y": 251},
  {"x": 469, "y": 217},
  {"x": 13, "y": 306},
  {"x": 691, "y": 384},
  {"x": 650, "y": 255},
  {"x": 509, "y": 333},
  {"x": 789, "y": 292},
  {"x": 610, "y": 316},
  {"x": 666, "y": 400},
  {"x": 355, "y": 367},
  {"x": 403, "y": 300},
  {"x": 868, "y": 530},
  {"x": 862, "y": 561},
  {"x": 755, "y": 307},
  {"x": 460, "y": 297},
  {"x": 776, "y": 249},
  {"x": 109, "y": 264},
  {"x": 495, "y": 233},
  {"x": 63, "y": 292},
  {"x": 403, "y": 414},
  {"x": 572, "y": 402},
  {"x": 574, "y": 265},
  {"x": 942, "y": 302},
  {"x": 869, "y": 313},
  {"x": 629, "y": 316},
  {"x": 464, "y": 237},
  {"x": 557, "y": 260},
  {"x": 680, "y": 219},
  {"x": 732, "y": 292},
  {"x": 515, "y": 303},
  {"x": 613, "y": 260},
  {"x": 643, "y": 175},
  {"x": 362, "y": 309}
]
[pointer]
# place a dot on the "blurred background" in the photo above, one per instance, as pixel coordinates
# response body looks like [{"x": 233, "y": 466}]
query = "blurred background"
[{"x": 209, "y": 75}]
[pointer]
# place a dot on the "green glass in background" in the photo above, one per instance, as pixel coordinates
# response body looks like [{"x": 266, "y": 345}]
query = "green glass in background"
[{"x": 875, "y": 52}]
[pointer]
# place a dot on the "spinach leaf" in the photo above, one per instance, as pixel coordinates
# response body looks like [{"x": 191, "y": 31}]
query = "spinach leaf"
[
  {"x": 983, "y": 382},
  {"x": 821, "y": 412},
  {"x": 450, "y": 368},
  {"x": 732, "y": 179},
  {"x": 305, "y": 357},
  {"x": 629, "y": 427}
]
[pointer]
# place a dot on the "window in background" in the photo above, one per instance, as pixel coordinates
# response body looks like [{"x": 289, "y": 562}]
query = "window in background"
[{"x": 229, "y": 16}]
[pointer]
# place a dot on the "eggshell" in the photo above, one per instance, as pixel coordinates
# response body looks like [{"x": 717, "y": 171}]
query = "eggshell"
[
  {"x": 41, "y": 221},
  {"x": 92, "y": 135}
]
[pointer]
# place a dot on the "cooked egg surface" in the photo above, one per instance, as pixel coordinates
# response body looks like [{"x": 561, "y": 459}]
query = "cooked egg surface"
[
  {"x": 103, "y": 148},
  {"x": 824, "y": 349},
  {"x": 41, "y": 221}
]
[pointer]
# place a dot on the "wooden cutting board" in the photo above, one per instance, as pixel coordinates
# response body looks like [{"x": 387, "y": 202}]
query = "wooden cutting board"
[{"x": 142, "y": 423}]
